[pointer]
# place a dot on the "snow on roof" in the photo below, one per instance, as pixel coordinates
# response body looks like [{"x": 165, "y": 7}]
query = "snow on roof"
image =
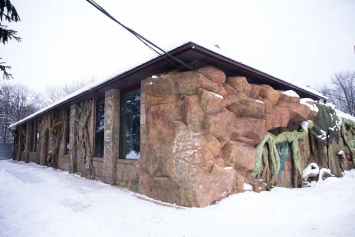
[
  {"x": 226, "y": 53},
  {"x": 345, "y": 115},
  {"x": 291, "y": 93},
  {"x": 146, "y": 58}
]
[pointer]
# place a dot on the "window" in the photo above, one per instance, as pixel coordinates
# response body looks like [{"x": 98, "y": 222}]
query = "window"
[
  {"x": 100, "y": 122},
  {"x": 130, "y": 125},
  {"x": 37, "y": 135},
  {"x": 67, "y": 133},
  {"x": 34, "y": 144}
]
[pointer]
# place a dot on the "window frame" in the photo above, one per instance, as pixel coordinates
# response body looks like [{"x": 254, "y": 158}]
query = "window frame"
[
  {"x": 100, "y": 135},
  {"x": 128, "y": 115}
]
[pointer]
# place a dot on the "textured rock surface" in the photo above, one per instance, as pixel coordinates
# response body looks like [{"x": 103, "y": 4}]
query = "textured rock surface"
[
  {"x": 326, "y": 140},
  {"x": 201, "y": 132}
]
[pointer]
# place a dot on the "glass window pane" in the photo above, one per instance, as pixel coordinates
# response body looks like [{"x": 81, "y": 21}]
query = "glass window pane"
[
  {"x": 130, "y": 125},
  {"x": 130, "y": 102},
  {"x": 67, "y": 133},
  {"x": 100, "y": 122},
  {"x": 130, "y": 137}
]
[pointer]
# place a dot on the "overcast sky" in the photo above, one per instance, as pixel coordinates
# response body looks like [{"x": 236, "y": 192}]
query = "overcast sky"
[{"x": 305, "y": 41}]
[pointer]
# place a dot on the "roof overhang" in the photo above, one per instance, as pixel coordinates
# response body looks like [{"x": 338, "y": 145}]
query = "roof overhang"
[{"x": 190, "y": 53}]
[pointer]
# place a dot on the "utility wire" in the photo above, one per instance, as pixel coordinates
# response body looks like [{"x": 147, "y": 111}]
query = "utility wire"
[{"x": 177, "y": 62}]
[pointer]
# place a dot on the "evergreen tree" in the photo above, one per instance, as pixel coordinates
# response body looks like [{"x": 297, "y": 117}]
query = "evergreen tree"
[{"x": 7, "y": 13}]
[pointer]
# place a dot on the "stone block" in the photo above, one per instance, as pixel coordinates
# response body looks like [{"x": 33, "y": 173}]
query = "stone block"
[
  {"x": 279, "y": 118},
  {"x": 241, "y": 155},
  {"x": 220, "y": 125},
  {"x": 211, "y": 103},
  {"x": 193, "y": 115},
  {"x": 287, "y": 99},
  {"x": 270, "y": 94},
  {"x": 239, "y": 83},
  {"x": 299, "y": 113},
  {"x": 161, "y": 87},
  {"x": 125, "y": 176},
  {"x": 213, "y": 73},
  {"x": 249, "y": 108},
  {"x": 119, "y": 175},
  {"x": 249, "y": 130}
]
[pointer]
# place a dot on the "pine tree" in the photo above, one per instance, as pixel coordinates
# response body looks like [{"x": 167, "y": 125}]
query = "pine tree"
[{"x": 7, "y": 13}]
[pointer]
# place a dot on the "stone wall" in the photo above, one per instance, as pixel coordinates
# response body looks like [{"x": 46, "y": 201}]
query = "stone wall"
[{"x": 201, "y": 133}]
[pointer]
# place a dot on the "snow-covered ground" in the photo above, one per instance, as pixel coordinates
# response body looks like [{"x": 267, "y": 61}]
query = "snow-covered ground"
[{"x": 39, "y": 201}]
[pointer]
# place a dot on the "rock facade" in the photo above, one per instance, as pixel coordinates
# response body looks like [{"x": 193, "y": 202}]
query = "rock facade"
[
  {"x": 203, "y": 136},
  {"x": 201, "y": 132}
]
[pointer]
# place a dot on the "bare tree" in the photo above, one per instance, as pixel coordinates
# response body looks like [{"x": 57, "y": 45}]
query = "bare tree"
[
  {"x": 16, "y": 103},
  {"x": 341, "y": 92},
  {"x": 8, "y": 13},
  {"x": 55, "y": 93}
]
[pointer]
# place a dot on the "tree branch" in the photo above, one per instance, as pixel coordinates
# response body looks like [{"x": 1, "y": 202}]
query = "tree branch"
[{"x": 3, "y": 68}]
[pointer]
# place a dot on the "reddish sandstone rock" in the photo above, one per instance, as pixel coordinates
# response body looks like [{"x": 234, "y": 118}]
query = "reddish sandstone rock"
[
  {"x": 288, "y": 99},
  {"x": 313, "y": 107},
  {"x": 270, "y": 94},
  {"x": 210, "y": 102},
  {"x": 219, "y": 162},
  {"x": 218, "y": 185},
  {"x": 240, "y": 181},
  {"x": 249, "y": 130},
  {"x": 201, "y": 132},
  {"x": 268, "y": 105},
  {"x": 234, "y": 98},
  {"x": 278, "y": 118},
  {"x": 240, "y": 84},
  {"x": 162, "y": 86},
  {"x": 160, "y": 90},
  {"x": 249, "y": 108},
  {"x": 192, "y": 167},
  {"x": 220, "y": 125},
  {"x": 188, "y": 83},
  {"x": 211, "y": 86},
  {"x": 299, "y": 113},
  {"x": 229, "y": 89},
  {"x": 213, "y": 73},
  {"x": 254, "y": 91},
  {"x": 242, "y": 158},
  {"x": 193, "y": 115}
]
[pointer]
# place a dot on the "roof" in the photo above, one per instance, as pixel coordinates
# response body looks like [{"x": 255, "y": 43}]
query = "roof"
[{"x": 188, "y": 52}]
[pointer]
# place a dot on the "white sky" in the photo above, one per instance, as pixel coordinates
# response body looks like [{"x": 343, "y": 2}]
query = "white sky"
[{"x": 298, "y": 40}]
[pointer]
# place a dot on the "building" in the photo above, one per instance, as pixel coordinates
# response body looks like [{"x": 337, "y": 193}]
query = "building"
[{"x": 185, "y": 135}]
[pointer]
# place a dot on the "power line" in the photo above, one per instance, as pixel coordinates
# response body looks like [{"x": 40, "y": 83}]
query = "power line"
[{"x": 177, "y": 62}]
